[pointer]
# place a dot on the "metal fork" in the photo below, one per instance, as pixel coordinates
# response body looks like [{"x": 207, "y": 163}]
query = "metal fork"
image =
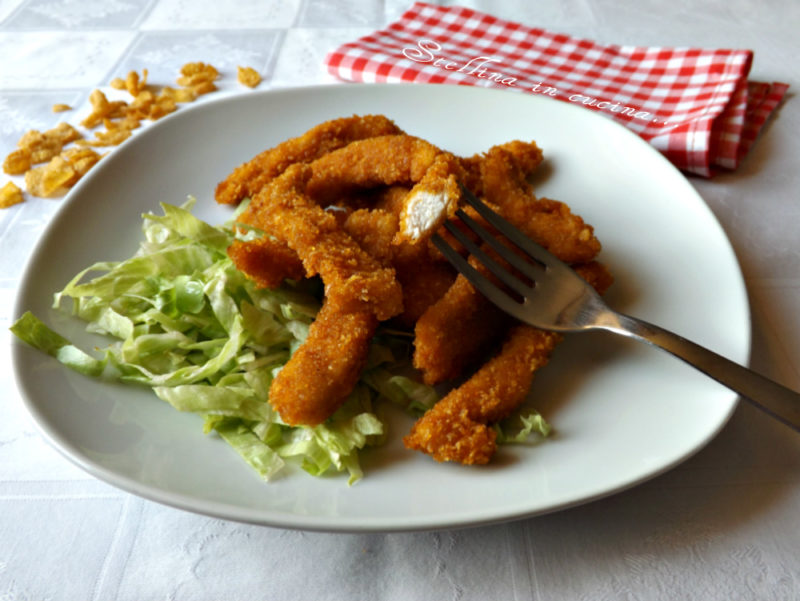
[{"x": 556, "y": 298}]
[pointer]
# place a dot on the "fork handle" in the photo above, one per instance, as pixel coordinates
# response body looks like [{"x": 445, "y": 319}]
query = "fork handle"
[{"x": 777, "y": 400}]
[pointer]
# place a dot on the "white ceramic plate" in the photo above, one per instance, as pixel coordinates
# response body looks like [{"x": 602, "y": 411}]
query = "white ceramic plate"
[{"x": 622, "y": 412}]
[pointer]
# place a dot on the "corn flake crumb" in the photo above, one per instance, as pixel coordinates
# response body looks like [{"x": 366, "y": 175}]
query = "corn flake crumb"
[
  {"x": 10, "y": 195},
  {"x": 109, "y": 137},
  {"x": 49, "y": 180},
  {"x": 103, "y": 108},
  {"x": 61, "y": 172},
  {"x": 136, "y": 84},
  {"x": 199, "y": 69},
  {"x": 81, "y": 159},
  {"x": 180, "y": 95},
  {"x": 198, "y": 77},
  {"x": 18, "y": 161},
  {"x": 63, "y": 168},
  {"x": 248, "y": 76},
  {"x": 61, "y": 107},
  {"x": 37, "y": 147}
]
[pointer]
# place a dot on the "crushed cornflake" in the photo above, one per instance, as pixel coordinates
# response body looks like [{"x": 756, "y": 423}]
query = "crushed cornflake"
[
  {"x": 81, "y": 159},
  {"x": 103, "y": 108},
  {"x": 198, "y": 77},
  {"x": 248, "y": 76},
  {"x": 114, "y": 135},
  {"x": 50, "y": 170},
  {"x": 180, "y": 95},
  {"x": 18, "y": 161},
  {"x": 10, "y": 195},
  {"x": 50, "y": 179},
  {"x": 35, "y": 147},
  {"x": 61, "y": 172}
]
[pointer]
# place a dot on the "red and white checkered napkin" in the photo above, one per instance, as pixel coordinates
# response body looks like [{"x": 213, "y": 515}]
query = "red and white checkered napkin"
[{"x": 694, "y": 105}]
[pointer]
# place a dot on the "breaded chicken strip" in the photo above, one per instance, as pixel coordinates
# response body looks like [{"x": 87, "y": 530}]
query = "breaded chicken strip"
[
  {"x": 266, "y": 261},
  {"x": 390, "y": 160},
  {"x": 364, "y": 164},
  {"x": 353, "y": 279},
  {"x": 324, "y": 369},
  {"x": 548, "y": 222},
  {"x": 453, "y": 333},
  {"x": 370, "y": 261},
  {"x": 422, "y": 279},
  {"x": 458, "y": 428},
  {"x": 374, "y": 230},
  {"x": 250, "y": 177},
  {"x": 524, "y": 156},
  {"x": 359, "y": 292}
]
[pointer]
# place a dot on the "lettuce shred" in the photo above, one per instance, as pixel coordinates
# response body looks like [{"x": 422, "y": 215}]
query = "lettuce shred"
[{"x": 185, "y": 322}]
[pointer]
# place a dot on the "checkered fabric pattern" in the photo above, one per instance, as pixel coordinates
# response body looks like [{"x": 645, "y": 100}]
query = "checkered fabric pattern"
[{"x": 694, "y": 105}]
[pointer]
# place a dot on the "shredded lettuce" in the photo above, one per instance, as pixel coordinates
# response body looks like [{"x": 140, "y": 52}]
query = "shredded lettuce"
[
  {"x": 30, "y": 329},
  {"x": 526, "y": 425},
  {"x": 185, "y": 322}
]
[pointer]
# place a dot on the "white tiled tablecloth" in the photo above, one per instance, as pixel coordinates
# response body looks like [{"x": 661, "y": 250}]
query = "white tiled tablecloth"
[{"x": 723, "y": 525}]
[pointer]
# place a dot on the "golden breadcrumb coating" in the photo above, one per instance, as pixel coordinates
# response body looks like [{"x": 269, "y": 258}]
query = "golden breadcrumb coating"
[
  {"x": 452, "y": 333},
  {"x": 351, "y": 276},
  {"x": 350, "y": 201},
  {"x": 324, "y": 369},
  {"x": 458, "y": 427},
  {"x": 392, "y": 160},
  {"x": 422, "y": 279},
  {"x": 548, "y": 222},
  {"x": 268, "y": 262},
  {"x": 250, "y": 177}
]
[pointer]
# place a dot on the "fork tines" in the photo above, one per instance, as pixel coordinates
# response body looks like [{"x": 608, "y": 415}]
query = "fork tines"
[{"x": 530, "y": 270}]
